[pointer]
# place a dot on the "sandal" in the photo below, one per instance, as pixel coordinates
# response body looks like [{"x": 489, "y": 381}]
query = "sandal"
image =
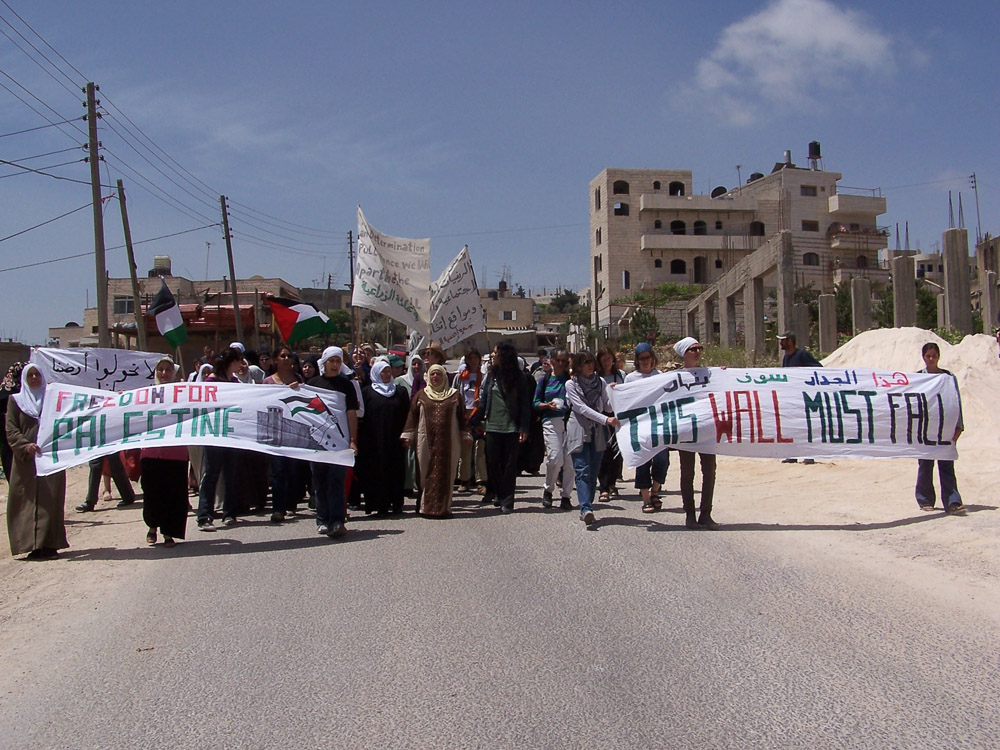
[
  {"x": 649, "y": 507},
  {"x": 151, "y": 537},
  {"x": 168, "y": 541},
  {"x": 605, "y": 497},
  {"x": 655, "y": 501},
  {"x": 955, "y": 509}
]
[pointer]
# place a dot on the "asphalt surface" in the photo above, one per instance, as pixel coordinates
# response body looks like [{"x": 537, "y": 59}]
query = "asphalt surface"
[{"x": 489, "y": 631}]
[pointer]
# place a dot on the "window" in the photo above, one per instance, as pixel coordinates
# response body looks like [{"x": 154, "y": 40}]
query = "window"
[
  {"x": 598, "y": 264},
  {"x": 626, "y": 280},
  {"x": 808, "y": 191},
  {"x": 718, "y": 264},
  {"x": 676, "y": 188},
  {"x": 810, "y": 226},
  {"x": 700, "y": 227},
  {"x": 597, "y": 199},
  {"x": 810, "y": 259},
  {"x": 756, "y": 228},
  {"x": 94, "y": 329},
  {"x": 656, "y": 184},
  {"x": 658, "y": 263},
  {"x": 621, "y": 209},
  {"x": 718, "y": 225},
  {"x": 597, "y": 236},
  {"x": 678, "y": 227},
  {"x": 678, "y": 267},
  {"x": 508, "y": 315},
  {"x": 657, "y": 224},
  {"x": 620, "y": 187},
  {"x": 123, "y": 306},
  {"x": 862, "y": 261}
]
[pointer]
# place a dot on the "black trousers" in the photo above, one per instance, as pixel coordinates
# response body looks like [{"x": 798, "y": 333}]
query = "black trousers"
[
  {"x": 118, "y": 475},
  {"x": 501, "y": 465}
]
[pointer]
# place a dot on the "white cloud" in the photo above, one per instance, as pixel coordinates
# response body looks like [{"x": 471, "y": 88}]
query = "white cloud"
[{"x": 790, "y": 56}]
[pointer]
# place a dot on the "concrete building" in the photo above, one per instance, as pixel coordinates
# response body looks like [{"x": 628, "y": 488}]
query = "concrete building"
[{"x": 647, "y": 227}]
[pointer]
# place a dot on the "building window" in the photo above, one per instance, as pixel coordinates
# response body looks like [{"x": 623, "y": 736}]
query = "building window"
[
  {"x": 508, "y": 315},
  {"x": 810, "y": 226},
  {"x": 597, "y": 199},
  {"x": 123, "y": 306},
  {"x": 658, "y": 263},
  {"x": 621, "y": 209},
  {"x": 657, "y": 224},
  {"x": 94, "y": 329},
  {"x": 656, "y": 184},
  {"x": 678, "y": 227},
  {"x": 598, "y": 264},
  {"x": 626, "y": 280},
  {"x": 756, "y": 228},
  {"x": 678, "y": 267},
  {"x": 862, "y": 261},
  {"x": 718, "y": 264},
  {"x": 718, "y": 225},
  {"x": 810, "y": 259},
  {"x": 620, "y": 187},
  {"x": 809, "y": 191},
  {"x": 597, "y": 236},
  {"x": 700, "y": 227},
  {"x": 676, "y": 188}
]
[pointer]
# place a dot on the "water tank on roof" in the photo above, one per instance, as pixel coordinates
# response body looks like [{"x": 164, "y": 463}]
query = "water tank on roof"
[
  {"x": 755, "y": 176},
  {"x": 161, "y": 265},
  {"x": 721, "y": 190},
  {"x": 814, "y": 150}
]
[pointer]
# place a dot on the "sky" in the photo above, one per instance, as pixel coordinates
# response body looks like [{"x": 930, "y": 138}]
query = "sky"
[{"x": 478, "y": 124}]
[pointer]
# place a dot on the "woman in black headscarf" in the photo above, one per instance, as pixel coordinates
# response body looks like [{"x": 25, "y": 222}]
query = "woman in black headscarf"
[{"x": 11, "y": 384}]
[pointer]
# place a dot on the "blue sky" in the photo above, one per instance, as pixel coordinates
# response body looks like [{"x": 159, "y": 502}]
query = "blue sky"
[{"x": 478, "y": 125}]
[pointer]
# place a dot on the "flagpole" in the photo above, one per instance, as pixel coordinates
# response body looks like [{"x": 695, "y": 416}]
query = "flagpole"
[{"x": 180, "y": 361}]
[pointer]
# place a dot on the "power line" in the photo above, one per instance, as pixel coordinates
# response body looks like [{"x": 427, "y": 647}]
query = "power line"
[
  {"x": 33, "y": 96},
  {"x": 17, "y": 15},
  {"x": 510, "y": 231},
  {"x": 46, "y": 174},
  {"x": 929, "y": 182},
  {"x": 41, "y": 54},
  {"x": 40, "y": 127},
  {"x": 253, "y": 210},
  {"x": 61, "y": 216},
  {"x": 39, "y": 170},
  {"x": 48, "y": 153}
]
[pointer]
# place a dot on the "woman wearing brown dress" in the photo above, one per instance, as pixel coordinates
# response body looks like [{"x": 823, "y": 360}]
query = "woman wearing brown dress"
[
  {"x": 437, "y": 425},
  {"x": 35, "y": 516}
]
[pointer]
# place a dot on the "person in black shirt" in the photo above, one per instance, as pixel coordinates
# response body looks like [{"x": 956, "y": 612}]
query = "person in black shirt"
[{"x": 795, "y": 357}]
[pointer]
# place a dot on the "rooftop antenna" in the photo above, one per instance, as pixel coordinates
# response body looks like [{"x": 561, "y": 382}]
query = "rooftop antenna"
[
  {"x": 975, "y": 189},
  {"x": 208, "y": 252},
  {"x": 951, "y": 213},
  {"x": 907, "y": 235},
  {"x": 897, "y": 236}
]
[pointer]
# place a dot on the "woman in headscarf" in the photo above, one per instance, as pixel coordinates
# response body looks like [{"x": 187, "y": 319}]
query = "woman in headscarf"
[
  {"x": 611, "y": 464},
  {"x": 289, "y": 476},
  {"x": 164, "y": 478},
  {"x": 35, "y": 505},
  {"x": 437, "y": 425},
  {"x": 220, "y": 461},
  {"x": 413, "y": 381},
  {"x": 586, "y": 437},
  {"x": 10, "y": 385},
  {"x": 310, "y": 368},
  {"x": 381, "y": 455}
]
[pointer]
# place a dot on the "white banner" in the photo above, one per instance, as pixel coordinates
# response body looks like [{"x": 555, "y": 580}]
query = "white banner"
[
  {"x": 393, "y": 276},
  {"x": 107, "y": 369},
  {"x": 456, "y": 308},
  {"x": 789, "y": 413},
  {"x": 78, "y": 424}
]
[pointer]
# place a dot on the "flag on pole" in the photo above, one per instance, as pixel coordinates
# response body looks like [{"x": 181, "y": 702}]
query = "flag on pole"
[
  {"x": 297, "y": 320},
  {"x": 168, "y": 316}
]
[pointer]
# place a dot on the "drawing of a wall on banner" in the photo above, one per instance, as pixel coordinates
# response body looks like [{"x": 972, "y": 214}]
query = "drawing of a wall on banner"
[{"x": 393, "y": 275}]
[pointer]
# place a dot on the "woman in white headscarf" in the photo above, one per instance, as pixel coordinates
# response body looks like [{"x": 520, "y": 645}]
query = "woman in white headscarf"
[
  {"x": 35, "y": 505},
  {"x": 381, "y": 456}
]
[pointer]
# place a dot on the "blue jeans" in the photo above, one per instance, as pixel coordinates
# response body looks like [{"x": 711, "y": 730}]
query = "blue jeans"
[
  {"x": 586, "y": 465},
  {"x": 925, "y": 483},
  {"x": 331, "y": 502}
]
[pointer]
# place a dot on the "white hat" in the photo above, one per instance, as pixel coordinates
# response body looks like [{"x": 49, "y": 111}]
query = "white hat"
[
  {"x": 238, "y": 345},
  {"x": 684, "y": 344}
]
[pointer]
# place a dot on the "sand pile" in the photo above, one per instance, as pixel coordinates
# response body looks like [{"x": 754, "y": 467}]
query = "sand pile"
[{"x": 974, "y": 362}]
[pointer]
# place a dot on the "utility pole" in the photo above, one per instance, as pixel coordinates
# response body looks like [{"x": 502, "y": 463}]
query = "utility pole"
[
  {"x": 103, "y": 332},
  {"x": 140, "y": 323},
  {"x": 232, "y": 269},
  {"x": 975, "y": 189},
  {"x": 354, "y": 310},
  {"x": 326, "y": 305}
]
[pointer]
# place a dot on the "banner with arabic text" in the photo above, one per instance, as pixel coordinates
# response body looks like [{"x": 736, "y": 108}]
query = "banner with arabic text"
[
  {"x": 78, "y": 424},
  {"x": 107, "y": 369},
  {"x": 456, "y": 308},
  {"x": 789, "y": 413}
]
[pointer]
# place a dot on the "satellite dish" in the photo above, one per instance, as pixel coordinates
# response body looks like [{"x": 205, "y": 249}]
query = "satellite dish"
[{"x": 721, "y": 190}]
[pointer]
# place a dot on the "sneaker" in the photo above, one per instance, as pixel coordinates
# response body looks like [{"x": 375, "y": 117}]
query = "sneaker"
[
  {"x": 277, "y": 517},
  {"x": 206, "y": 525},
  {"x": 323, "y": 529},
  {"x": 588, "y": 517},
  {"x": 337, "y": 530},
  {"x": 566, "y": 504},
  {"x": 547, "y": 499},
  {"x": 84, "y": 508},
  {"x": 229, "y": 521}
]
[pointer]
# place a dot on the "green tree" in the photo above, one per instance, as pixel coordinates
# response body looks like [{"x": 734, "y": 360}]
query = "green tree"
[{"x": 562, "y": 303}]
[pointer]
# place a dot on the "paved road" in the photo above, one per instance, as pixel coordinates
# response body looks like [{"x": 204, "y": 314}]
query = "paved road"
[{"x": 520, "y": 631}]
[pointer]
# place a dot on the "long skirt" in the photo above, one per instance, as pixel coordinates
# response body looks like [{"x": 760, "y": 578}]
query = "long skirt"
[{"x": 165, "y": 495}]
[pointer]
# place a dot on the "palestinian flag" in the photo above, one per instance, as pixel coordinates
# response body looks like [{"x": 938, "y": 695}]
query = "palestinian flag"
[
  {"x": 312, "y": 405},
  {"x": 297, "y": 320},
  {"x": 168, "y": 316}
]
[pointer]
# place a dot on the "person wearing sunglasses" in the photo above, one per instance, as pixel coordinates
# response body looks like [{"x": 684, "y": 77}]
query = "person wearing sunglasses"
[{"x": 690, "y": 350}]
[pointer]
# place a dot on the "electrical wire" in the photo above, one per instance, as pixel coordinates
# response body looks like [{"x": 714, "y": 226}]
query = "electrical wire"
[
  {"x": 33, "y": 96},
  {"x": 44, "y": 69},
  {"x": 40, "y": 127},
  {"x": 18, "y": 16},
  {"x": 46, "y": 174},
  {"x": 49, "y": 153},
  {"x": 39, "y": 170},
  {"x": 61, "y": 216}
]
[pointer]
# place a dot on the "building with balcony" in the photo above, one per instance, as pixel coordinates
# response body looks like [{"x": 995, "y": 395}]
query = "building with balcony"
[{"x": 647, "y": 227}]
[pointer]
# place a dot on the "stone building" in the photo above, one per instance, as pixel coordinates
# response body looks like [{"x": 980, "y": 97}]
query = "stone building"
[{"x": 647, "y": 227}]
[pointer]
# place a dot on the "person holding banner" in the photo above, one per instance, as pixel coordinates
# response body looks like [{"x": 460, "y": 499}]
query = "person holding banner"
[
  {"x": 218, "y": 460},
  {"x": 950, "y": 498},
  {"x": 164, "y": 479},
  {"x": 35, "y": 505},
  {"x": 551, "y": 405},
  {"x": 586, "y": 437},
  {"x": 691, "y": 350},
  {"x": 11, "y": 384},
  {"x": 650, "y": 476},
  {"x": 611, "y": 464}
]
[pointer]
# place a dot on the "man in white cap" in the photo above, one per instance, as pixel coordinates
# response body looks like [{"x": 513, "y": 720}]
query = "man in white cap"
[{"x": 690, "y": 350}]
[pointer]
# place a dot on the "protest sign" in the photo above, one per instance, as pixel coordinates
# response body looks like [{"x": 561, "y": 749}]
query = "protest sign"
[
  {"x": 456, "y": 309},
  {"x": 107, "y": 369},
  {"x": 78, "y": 424},
  {"x": 788, "y": 413},
  {"x": 393, "y": 276}
]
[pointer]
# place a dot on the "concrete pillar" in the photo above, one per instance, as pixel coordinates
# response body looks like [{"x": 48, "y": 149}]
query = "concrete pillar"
[
  {"x": 904, "y": 292},
  {"x": 861, "y": 305},
  {"x": 989, "y": 301},
  {"x": 753, "y": 317},
  {"x": 727, "y": 322},
  {"x": 786, "y": 284},
  {"x": 827, "y": 323},
  {"x": 707, "y": 321},
  {"x": 957, "y": 290},
  {"x": 800, "y": 324},
  {"x": 691, "y": 323},
  {"x": 942, "y": 312}
]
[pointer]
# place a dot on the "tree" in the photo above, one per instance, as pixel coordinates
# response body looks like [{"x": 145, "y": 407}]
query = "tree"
[{"x": 563, "y": 303}]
